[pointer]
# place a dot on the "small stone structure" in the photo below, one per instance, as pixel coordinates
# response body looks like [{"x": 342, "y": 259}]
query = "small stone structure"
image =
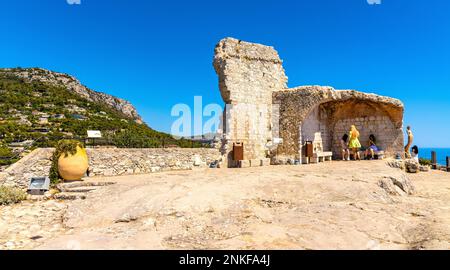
[
  {"x": 261, "y": 109},
  {"x": 112, "y": 162}
]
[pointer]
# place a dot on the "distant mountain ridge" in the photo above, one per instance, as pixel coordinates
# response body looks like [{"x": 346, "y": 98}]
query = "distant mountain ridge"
[{"x": 73, "y": 84}]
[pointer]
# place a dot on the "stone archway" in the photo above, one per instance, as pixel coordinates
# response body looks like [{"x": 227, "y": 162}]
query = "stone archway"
[
  {"x": 307, "y": 110},
  {"x": 334, "y": 119}
]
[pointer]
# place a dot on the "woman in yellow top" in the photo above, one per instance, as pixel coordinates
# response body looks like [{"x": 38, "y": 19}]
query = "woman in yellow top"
[{"x": 354, "y": 143}]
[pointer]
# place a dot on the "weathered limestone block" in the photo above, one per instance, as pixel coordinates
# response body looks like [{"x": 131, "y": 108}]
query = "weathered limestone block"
[
  {"x": 255, "y": 163},
  {"x": 244, "y": 164},
  {"x": 265, "y": 162},
  {"x": 400, "y": 186},
  {"x": 412, "y": 166}
]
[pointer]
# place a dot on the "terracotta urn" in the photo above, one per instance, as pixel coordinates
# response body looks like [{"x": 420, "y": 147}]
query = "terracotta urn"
[{"x": 73, "y": 167}]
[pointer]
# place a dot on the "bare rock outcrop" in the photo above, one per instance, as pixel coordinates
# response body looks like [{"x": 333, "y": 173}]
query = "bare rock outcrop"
[
  {"x": 409, "y": 165},
  {"x": 412, "y": 166},
  {"x": 397, "y": 185}
]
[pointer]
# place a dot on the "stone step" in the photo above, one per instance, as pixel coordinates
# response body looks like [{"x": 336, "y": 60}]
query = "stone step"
[
  {"x": 79, "y": 189},
  {"x": 69, "y": 196},
  {"x": 68, "y": 186}
]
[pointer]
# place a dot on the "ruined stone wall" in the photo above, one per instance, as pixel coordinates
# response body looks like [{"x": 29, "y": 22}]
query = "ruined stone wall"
[
  {"x": 310, "y": 109},
  {"x": 112, "y": 162},
  {"x": 248, "y": 75}
]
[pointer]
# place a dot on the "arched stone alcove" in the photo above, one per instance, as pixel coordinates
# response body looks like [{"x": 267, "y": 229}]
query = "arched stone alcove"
[
  {"x": 310, "y": 109},
  {"x": 334, "y": 119}
]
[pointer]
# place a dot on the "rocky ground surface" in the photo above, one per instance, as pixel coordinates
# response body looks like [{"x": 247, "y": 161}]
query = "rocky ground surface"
[
  {"x": 29, "y": 224},
  {"x": 337, "y": 205}
]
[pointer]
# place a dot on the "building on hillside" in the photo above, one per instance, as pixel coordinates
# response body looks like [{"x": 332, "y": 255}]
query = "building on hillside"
[
  {"x": 79, "y": 117},
  {"x": 59, "y": 116},
  {"x": 43, "y": 121}
]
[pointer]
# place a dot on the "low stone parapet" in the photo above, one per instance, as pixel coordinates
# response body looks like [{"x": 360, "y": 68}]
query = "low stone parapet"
[
  {"x": 112, "y": 162},
  {"x": 115, "y": 162},
  {"x": 37, "y": 163}
]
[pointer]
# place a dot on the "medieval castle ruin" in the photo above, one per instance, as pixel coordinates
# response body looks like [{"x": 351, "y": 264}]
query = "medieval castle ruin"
[{"x": 273, "y": 122}]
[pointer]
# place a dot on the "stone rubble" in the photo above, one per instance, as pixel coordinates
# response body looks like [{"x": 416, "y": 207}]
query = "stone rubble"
[
  {"x": 412, "y": 166},
  {"x": 399, "y": 186},
  {"x": 408, "y": 165}
]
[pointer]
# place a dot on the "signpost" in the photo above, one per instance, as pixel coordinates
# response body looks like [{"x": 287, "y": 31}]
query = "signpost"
[
  {"x": 448, "y": 164},
  {"x": 94, "y": 134}
]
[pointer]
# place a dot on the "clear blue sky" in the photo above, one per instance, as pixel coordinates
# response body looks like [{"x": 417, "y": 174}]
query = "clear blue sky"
[{"x": 158, "y": 53}]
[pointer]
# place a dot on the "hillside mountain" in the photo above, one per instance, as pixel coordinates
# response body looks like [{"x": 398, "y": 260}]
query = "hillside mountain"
[
  {"x": 40, "y": 107},
  {"x": 73, "y": 85}
]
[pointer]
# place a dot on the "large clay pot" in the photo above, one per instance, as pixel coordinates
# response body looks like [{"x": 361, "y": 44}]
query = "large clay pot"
[{"x": 73, "y": 167}]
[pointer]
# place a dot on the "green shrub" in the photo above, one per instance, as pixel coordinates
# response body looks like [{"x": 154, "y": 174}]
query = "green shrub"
[
  {"x": 7, "y": 157},
  {"x": 63, "y": 147},
  {"x": 425, "y": 162},
  {"x": 10, "y": 195},
  {"x": 5, "y": 151},
  {"x": 7, "y": 162}
]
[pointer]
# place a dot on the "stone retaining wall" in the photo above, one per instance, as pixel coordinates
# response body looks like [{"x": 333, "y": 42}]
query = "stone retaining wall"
[
  {"x": 37, "y": 163},
  {"x": 112, "y": 162}
]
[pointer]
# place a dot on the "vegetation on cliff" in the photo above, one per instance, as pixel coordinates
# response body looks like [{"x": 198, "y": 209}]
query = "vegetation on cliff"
[{"x": 45, "y": 113}]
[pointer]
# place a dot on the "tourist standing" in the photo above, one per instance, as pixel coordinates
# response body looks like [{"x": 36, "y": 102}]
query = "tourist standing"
[
  {"x": 354, "y": 143},
  {"x": 415, "y": 153},
  {"x": 410, "y": 142},
  {"x": 344, "y": 147}
]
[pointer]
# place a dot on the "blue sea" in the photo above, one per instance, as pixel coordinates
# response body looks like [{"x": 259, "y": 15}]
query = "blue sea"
[{"x": 441, "y": 153}]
